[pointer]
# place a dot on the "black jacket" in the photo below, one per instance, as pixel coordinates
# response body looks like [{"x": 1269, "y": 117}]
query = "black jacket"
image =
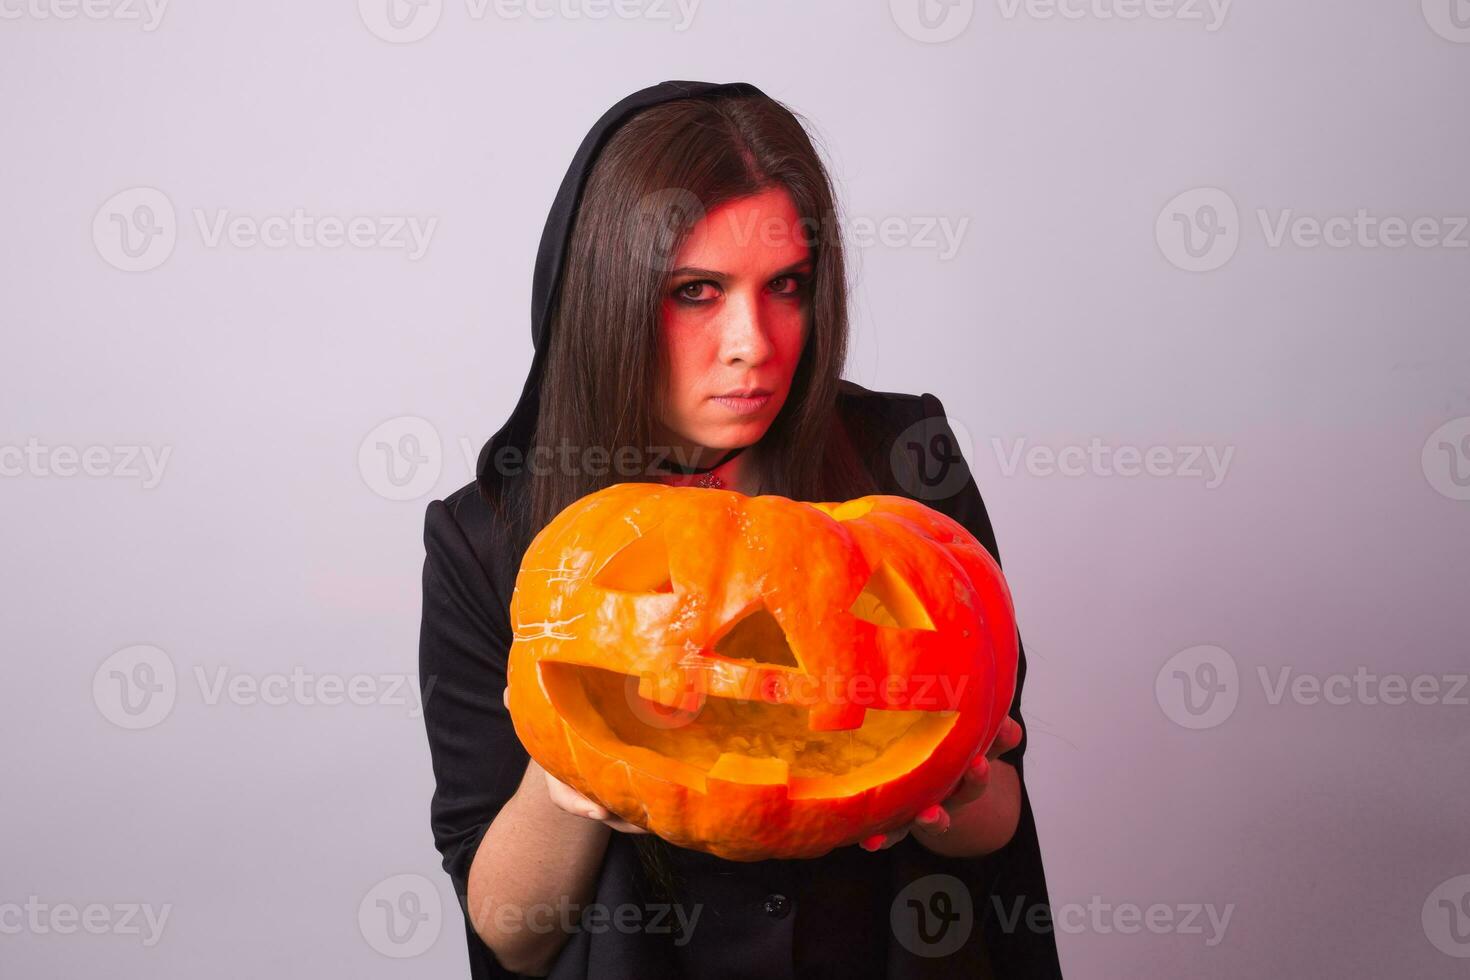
[{"x": 901, "y": 912}]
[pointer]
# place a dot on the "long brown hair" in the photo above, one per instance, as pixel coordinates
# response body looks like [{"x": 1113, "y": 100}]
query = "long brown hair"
[{"x": 656, "y": 176}]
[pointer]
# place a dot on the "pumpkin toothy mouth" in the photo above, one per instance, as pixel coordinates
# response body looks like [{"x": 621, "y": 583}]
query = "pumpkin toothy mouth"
[{"x": 740, "y": 741}]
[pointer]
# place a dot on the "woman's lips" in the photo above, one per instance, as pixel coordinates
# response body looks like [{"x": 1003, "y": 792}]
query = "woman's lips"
[{"x": 742, "y": 405}]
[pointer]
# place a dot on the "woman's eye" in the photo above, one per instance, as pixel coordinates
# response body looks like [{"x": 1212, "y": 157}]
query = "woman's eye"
[
  {"x": 787, "y": 285},
  {"x": 701, "y": 291},
  {"x": 693, "y": 292}
]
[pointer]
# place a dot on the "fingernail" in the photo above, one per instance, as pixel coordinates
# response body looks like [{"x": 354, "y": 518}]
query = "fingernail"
[
  {"x": 872, "y": 843},
  {"x": 931, "y": 813},
  {"x": 980, "y": 766}
]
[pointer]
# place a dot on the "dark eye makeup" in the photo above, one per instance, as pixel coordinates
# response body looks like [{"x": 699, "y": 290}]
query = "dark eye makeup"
[{"x": 793, "y": 286}]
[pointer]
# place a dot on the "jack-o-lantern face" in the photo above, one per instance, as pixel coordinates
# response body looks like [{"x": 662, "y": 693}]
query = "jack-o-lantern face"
[{"x": 758, "y": 677}]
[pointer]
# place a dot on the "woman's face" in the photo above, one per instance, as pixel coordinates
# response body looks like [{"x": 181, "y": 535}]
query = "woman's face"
[{"x": 733, "y": 322}]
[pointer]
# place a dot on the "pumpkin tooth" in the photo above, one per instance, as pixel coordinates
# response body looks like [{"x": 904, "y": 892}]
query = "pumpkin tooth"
[
  {"x": 836, "y": 716},
  {"x": 676, "y": 689},
  {"x": 737, "y": 767}
]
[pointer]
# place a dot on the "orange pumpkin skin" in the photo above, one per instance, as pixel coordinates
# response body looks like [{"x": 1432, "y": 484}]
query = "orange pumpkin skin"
[{"x": 758, "y": 677}]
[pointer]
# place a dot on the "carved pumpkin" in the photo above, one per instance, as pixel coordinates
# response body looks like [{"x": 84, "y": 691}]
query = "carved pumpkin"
[{"x": 758, "y": 677}]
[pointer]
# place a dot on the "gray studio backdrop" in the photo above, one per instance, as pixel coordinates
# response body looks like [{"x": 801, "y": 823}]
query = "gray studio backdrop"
[{"x": 1191, "y": 280}]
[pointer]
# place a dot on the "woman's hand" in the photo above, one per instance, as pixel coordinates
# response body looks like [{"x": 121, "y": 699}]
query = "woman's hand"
[
  {"x": 935, "y": 819},
  {"x": 575, "y": 803}
]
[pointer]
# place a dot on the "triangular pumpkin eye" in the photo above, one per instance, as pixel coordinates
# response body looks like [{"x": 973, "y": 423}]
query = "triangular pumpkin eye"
[
  {"x": 888, "y": 600},
  {"x": 641, "y": 566},
  {"x": 757, "y": 638}
]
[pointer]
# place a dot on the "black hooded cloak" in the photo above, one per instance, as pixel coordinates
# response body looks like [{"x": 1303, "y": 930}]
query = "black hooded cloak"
[{"x": 903, "y": 912}]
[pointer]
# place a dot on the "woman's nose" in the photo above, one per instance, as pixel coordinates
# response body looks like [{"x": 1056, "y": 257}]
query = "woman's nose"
[{"x": 743, "y": 335}]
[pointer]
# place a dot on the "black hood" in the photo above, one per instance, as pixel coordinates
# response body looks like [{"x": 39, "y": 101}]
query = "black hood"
[{"x": 518, "y": 429}]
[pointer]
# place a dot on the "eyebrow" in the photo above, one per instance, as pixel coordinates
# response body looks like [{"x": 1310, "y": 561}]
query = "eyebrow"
[{"x": 689, "y": 270}]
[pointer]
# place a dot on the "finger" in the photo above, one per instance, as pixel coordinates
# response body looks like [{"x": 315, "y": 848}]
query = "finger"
[
  {"x": 933, "y": 819},
  {"x": 624, "y": 826},
  {"x": 1016, "y": 732},
  {"x": 572, "y": 801},
  {"x": 1006, "y": 739},
  {"x": 973, "y": 784},
  {"x": 882, "y": 842},
  {"x": 583, "y": 807}
]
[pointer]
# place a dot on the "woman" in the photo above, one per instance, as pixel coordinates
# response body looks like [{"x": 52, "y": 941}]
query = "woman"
[{"x": 689, "y": 322}]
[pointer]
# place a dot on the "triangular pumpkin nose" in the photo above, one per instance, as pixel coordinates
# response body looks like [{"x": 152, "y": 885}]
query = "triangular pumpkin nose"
[{"x": 759, "y": 639}]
